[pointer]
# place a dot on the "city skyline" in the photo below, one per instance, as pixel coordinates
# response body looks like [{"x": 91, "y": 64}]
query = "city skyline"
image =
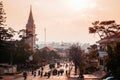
[{"x": 64, "y": 20}]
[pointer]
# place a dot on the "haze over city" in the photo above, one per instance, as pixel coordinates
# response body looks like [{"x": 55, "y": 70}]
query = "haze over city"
[
  {"x": 64, "y": 20},
  {"x": 59, "y": 40}
]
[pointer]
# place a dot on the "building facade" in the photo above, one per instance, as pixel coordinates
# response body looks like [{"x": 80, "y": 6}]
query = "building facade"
[{"x": 111, "y": 40}]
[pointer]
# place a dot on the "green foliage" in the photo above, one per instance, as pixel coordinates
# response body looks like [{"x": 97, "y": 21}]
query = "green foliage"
[{"x": 113, "y": 61}]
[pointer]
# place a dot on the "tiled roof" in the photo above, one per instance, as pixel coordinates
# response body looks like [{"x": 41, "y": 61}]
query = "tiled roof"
[
  {"x": 109, "y": 39},
  {"x": 48, "y": 48}
]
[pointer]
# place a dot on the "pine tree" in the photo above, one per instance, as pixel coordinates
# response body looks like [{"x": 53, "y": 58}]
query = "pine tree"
[
  {"x": 2, "y": 15},
  {"x": 5, "y": 33}
]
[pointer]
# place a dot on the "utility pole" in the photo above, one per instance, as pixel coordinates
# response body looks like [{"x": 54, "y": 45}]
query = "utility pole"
[{"x": 45, "y": 35}]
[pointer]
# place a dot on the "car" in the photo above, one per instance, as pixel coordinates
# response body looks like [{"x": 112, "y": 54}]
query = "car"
[{"x": 110, "y": 78}]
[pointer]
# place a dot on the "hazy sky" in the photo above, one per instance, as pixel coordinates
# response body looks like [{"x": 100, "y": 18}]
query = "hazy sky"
[{"x": 64, "y": 20}]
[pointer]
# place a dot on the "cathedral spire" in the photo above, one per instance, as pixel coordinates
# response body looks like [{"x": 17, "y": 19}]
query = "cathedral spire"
[
  {"x": 30, "y": 30},
  {"x": 30, "y": 19}
]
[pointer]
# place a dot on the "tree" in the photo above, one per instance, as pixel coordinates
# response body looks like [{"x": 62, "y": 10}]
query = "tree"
[
  {"x": 113, "y": 60},
  {"x": 53, "y": 54},
  {"x": 39, "y": 57},
  {"x": 2, "y": 15},
  {"x": 6, "y": 35},
  {"x": 12, "y": 51},
  {"x": 76, "y": 55},
  {"x": 107, "y": 29},
  {"x": 22, "y": 53},
  {"x": 104, "y": 28},
  {"x": 93, "y": 52},
  {"x": 24, "y": 34}
]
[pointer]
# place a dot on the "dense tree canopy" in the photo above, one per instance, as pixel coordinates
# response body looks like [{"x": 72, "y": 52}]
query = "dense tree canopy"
[
  {"x": 11, "y": 51},
  {"x": 6, "y": 35},
  {"x": 113, "y": 60}
]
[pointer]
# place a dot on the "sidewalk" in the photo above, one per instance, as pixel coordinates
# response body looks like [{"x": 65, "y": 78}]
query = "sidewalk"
[{"x": 95, "y": 76}]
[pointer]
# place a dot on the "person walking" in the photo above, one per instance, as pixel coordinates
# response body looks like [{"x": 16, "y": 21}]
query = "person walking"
[
  {"x": 66, "y": 72},
  {"x": 81, "y": 76},
  {"x": 42, "y": 68},
  {"x": 34, "y": 73},
  {"x": 25, "y": 75},
  {"x": 49, "y": 74},
  {"x": 39, "y": 73},
  {"x": 58, "y": 72}
]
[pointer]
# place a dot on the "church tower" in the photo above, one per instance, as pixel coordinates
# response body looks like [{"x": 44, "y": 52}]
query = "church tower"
[{"x": 30, "y": 30}]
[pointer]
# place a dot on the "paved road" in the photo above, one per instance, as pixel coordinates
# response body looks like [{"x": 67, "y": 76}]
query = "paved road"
[
  {"x": 46, "y": 69},
  {"x": 31, "y": 77}
]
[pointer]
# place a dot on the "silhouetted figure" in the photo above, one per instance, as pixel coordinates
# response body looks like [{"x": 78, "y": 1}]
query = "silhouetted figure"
[
  {"x": 25, "y": 75},
  {"x": 49, "y": 74},
  {"x": 66, "y": 72},
  {"x": 39, "y": 73},
  {"x": 34, "y": 73},
  {"x": 42, "y": 68},
  {"x": 46, "y": 74},
  {"x": 58, "y": 72},
  {"x": 66, "y": 66},
  {"x": 55, "y": 72},
  {"x": 61, "y": 71},
  {"x": 81, "y": 76}
]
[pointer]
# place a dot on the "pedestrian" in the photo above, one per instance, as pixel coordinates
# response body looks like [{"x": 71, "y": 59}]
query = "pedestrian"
[
  {"x": 66, "y": 72},
  {"x": 39, "y": 73},
  {"x": 34, "y": 73},
  {"x": 25, "y": 75},
  {"x": 81, "y": 76},
  {"x": 66, "y": 65},
  {"x": 42, "y": 68},
  {"x": 58, "y": 72},
  {"x": 46, "y": 74},
  {"x": 49, "y": 74}
]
